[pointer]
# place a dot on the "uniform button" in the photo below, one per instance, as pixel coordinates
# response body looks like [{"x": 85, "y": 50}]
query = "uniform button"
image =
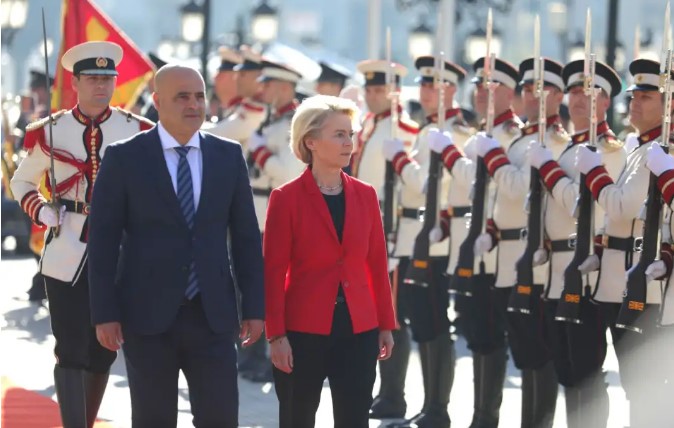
[{"x": 346, "y": 284}]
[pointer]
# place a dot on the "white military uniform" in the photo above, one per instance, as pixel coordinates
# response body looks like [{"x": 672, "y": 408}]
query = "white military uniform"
[
  {"x": 412, "y": 196},
  {"x": 622, "y": 202},
  {"x": 244, "y": 117},
  {"x": 561, "y": 178},
  {"x": 507, "y": 127},
  {"x": 79, "y": 145},
  {"x": 275, "y": 162},
  {"x": 512, "y": 176},
  {"x": 368, "y": 163}
]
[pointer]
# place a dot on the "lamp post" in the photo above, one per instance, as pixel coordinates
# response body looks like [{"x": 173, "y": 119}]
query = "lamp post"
[
  {"x": 13, "y": 15},
  {"x": 476, "y": 45},
  {"x": 264, "y": 23},
  {"x": 195, "y": 26},
  {"x": 420, "y": 40}
]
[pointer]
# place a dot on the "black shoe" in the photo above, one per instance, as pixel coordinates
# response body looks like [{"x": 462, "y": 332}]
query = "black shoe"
[
  {"x": 384, "y": 408},
  {"x": 433, "y": 419},
  {"x": 407, "y": 422}
]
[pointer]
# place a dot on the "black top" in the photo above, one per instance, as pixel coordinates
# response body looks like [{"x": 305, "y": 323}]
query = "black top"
[{"x": 336, "y": 206}]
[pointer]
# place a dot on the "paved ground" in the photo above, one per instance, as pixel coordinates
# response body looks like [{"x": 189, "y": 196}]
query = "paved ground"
[{"x": 27, "y": 359}]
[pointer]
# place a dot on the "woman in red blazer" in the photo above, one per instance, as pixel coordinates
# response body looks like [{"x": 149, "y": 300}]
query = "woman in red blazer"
[{"x": 328, "y": 299}]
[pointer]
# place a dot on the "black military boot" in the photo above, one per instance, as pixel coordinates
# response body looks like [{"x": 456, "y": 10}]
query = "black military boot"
[
  {"x": 70, "y": 393},
  {"x": 587, "y": 405},
  {"x": 489, "y": 372},
  {"x": 390, "y": 402},
  {"x": 539, "y": 396},
  {"x": 94, "y": 387},
  {"x": 425, "y": 362}
]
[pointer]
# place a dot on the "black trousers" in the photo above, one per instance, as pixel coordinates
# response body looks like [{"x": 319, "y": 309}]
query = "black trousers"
[
  {"x": 529, "y": 335},
  {"x": 76, "y": 343},
  {"x": 349, "y": 362},
  {"x": 484, "y": 315},
  {"x": 208, "y": 361},
  {"x": 427, "y": 307}
]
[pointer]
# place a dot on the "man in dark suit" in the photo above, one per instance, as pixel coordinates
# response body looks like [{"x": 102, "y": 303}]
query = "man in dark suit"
[{"x": 164, "y": 204}]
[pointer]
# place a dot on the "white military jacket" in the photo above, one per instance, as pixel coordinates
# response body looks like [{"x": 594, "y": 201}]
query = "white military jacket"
[
  {"x": 244, "y": 118},
  {"x": 511, "y": 172},
  {"x": 79, "y": 145},
  {"x": 561, "y": 178},
  {"x": 275, "y": 163},
  {"x": 507, "y": 127},
  {"x": 622, "y": 202}
]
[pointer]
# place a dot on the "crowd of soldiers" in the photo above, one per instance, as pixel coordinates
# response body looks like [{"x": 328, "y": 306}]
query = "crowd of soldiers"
[{"x": 256, "y": 99}]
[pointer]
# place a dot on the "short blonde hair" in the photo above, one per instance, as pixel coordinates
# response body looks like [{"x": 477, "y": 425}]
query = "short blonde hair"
[{"x": 309, "y": 119}]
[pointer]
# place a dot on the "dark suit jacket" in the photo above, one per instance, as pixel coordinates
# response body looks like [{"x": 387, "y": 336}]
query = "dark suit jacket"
[
  {"x": 142, "y": 283},
  {"x": 305, "y": 262}
]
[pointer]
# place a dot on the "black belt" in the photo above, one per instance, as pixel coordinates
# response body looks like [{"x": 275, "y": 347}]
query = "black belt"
[
  {"x": 78, "y": 207},
  {"x": 415, "y": 213},
  {"x": 261, "y": 192},
  {"x": 559, "y": 245},
  {"x": 510, "y": 234},
  {"x": 458, "y": 211},
  {"x": 622, "y": 244}
]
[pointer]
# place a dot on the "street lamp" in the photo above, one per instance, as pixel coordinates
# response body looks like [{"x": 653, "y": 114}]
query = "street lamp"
[
  {"x": 420, "y": 41},
  {"x": 476, "y": 45},
  {"x": 191, "y": 22},
  {"x": 13, "y": 14},
  {"x": 264, "y": 24}
]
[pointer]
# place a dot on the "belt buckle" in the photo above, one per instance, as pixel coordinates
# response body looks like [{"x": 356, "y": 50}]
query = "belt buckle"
[
  {"x": 638, "y": 244},
  {"x": 421, "y": 212},
  {"x": 572, "y": 241},
  {"x": 523, "y": 234},
  {"x": 604, "y": 240},
  {"x": 86, "y": 208}
]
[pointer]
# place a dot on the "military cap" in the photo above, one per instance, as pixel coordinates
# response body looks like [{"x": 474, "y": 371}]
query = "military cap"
[
  {"x": 333, "y": 73},
  {"x": 38, "y": 79},
  {"x": 251, "y": 60},
  {"x": 93, "y": 58},
  {"x": 375, "y": 71},
  {"x": 552, "y": 72},
  {"x": 158, "y": 62},
  {"x": 276, "y": 71},
  {"x": 604, "y": 77},
  {"x": 646, "y": 75},
  {"x": 228, "y": 59},
  {"x": 504, "y": 73},
  {"x": 452, "y": 73}
]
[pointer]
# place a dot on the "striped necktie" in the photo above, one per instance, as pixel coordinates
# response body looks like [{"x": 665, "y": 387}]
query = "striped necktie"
[{"x": 186, "y": 199}]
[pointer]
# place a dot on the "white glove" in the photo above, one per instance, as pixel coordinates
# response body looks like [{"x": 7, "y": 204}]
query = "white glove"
[
  {"x": 538, "y": 155},
  {"x": 485, "y": 144},
  {"x": 657, "y": 160},
  {"x": 393, "y": 263},
  {"x": 587, "y": 160},
  {"x": 255, "y": 141},
  {"x": 483, "y": 243},
  {"x": 590, "y": 264},
  {"x": 391, "y": 148},
  {"x": 470, "y": 151},
  {"x": 540, "y": 257},
  {"x": 439, "y": 141},
  {"x": 655, "y": 269},
  {"x": 435, "y": 235},
  {"x": 49, "y": 217}
]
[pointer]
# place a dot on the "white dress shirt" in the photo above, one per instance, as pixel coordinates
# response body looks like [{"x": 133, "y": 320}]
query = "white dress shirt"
[{"x": 194, "y": 159}]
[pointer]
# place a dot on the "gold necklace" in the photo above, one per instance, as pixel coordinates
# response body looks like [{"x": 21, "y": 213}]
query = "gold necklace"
[{"x": 330, "y": 189}]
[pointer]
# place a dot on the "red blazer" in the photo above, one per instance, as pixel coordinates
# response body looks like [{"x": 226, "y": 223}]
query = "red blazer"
[{"x": 304, "y": 262}]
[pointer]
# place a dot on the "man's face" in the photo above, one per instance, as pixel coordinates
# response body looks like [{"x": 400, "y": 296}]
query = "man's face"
[
  {"x": 246, "y": 82},
  {"x": 94, "y": 91},
  {"x": 224, "y": 85},
  {"x": 646, "y": 110},
  {"x": 270, "y": 91},
  {"x": 181, "y": 101},
  {"x": 530, "y": 101},
  {"x": 376, "y": 98},
  {"x": 503, "y": 97}
]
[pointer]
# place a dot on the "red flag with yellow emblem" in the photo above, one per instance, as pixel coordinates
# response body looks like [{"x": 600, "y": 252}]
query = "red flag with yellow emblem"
[{"x": 82, "y": 21}]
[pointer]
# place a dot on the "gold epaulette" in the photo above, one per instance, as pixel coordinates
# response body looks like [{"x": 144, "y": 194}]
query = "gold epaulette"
[
  {"x": 512, "y": 128},
  {"x": 132, "y": 116},
  {"x": 559, "y": 135},
  {"x": 609, "y": 143},
  {"x": 43, "y": 121}
]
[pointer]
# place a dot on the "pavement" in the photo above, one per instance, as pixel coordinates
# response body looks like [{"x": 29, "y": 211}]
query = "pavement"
[{"x": 27, "y": 360}]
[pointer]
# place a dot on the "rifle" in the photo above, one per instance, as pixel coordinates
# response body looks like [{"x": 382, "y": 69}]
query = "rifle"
[
  {"x": 462, "y": 279},
  {"x": 8, "y": 153},
  {"x": 418, "y": 272},
  {"x": 522, "y": 297},
  {"x": 634, "y": 299},
  {"x": 54, "y": 203},
  {"x": 389, "y": 173},
  {"x": 253, "y": 170},
  {"x": 568, "y": 308}
]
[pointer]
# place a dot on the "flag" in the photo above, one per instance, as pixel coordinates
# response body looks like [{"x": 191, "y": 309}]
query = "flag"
[{"x": 82, "y": 21}]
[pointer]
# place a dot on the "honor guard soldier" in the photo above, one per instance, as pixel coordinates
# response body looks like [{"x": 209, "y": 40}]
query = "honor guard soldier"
[
  {"x": 528, "y": 340},
  {"x": 79, "y": 138},
  {"x": 426, "y": 304},
  {"x": 149, "y": 111},
  {"x": 247, "y": 111},
  {"x": 369, "y": 164},
  {"x": 224, "y": 85},
  {"x": 641, "y": 365},
  {"x": 580, "y": 348},
  {"x": 332, "y": 79},
  {"x": 484, "y": 312}
]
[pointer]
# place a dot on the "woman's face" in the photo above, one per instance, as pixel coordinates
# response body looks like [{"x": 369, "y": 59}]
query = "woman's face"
[{"x": 333, "y": 144}]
